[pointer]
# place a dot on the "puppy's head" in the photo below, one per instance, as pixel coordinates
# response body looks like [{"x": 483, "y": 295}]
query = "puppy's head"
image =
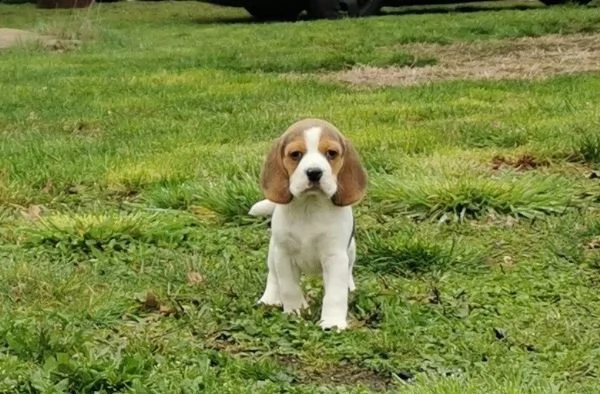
[{"x": 313, "y": 157}]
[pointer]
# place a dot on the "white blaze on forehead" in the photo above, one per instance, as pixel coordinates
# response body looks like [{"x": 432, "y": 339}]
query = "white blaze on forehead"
[
  {"x": 313, "y": 159},
  {"x": 312, "y": 137}
]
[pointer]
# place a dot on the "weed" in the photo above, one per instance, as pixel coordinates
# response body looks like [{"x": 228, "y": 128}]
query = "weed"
[
  {"x": 588, "y": 149},
  {"x": 467, "y": 198},
  {"x": 92, "y": 234}
]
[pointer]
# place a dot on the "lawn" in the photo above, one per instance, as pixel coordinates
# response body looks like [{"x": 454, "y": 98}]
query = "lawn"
[{"x": 128, "y": 164}]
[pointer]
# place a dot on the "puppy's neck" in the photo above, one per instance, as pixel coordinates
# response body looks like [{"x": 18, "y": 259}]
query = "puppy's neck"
[{"x": 310, "y": 204}]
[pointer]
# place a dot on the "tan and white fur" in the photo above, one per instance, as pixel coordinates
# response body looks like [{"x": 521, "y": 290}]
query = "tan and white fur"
[{"x": 311, "y": 178}]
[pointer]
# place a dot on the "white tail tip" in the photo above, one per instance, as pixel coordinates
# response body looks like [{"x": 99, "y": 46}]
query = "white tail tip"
[{"x": 262, "y": 208}]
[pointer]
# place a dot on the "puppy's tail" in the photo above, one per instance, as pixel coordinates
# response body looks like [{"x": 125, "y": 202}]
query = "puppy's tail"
[{"x": 262, "y": 208}]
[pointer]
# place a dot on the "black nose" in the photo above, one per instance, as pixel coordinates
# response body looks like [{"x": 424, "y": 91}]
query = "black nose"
[{"x": 314, "y": 174}]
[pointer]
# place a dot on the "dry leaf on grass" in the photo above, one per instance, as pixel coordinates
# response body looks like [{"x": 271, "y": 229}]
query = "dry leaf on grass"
[
  {"x": 48, "y": 187},
  {"x": 594, "y": 243},
  {"x": 507, "y": 261},
  {"x": 521, "y": 163},
  {"x": 16, "y": 292},
  {"x": 202, "y": 212},
  {"x": 167, "y": 310},
  {"x": 34, "y": 212},
  {"x": 150, "y": 302},
  {"x": 194, "y": 278}
]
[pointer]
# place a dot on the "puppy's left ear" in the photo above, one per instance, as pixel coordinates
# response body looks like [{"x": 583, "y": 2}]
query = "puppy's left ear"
[{"x": 351, "y": 179}]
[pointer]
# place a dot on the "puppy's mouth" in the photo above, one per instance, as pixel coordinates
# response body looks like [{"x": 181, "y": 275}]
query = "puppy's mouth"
[{"x": 313, "y": 188}]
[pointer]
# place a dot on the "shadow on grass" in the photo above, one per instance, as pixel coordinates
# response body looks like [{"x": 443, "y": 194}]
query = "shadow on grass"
[
  {"x": 411, "y": 9},
  {"x": 227, "y": 20},
  {"x": 241, "y": 19},
  {"x": 417, "y": 9}
]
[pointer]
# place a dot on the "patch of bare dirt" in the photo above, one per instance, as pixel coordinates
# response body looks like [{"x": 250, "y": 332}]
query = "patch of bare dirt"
[
  {"x": 344, "y": 374},
  {"x": 523, "y": 58},
  {"x": 14, "y": 37},
  {"x": 521, "y": 163}
]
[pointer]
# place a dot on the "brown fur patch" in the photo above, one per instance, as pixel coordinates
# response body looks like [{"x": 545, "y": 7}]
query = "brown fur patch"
[
  {"x": 329, "y": 144},
  {"x": 290, "y": 162}
]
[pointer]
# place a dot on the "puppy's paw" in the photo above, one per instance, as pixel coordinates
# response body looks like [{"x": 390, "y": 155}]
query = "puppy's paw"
[
  {"x": 351, "y": 285},
  {"x": 270, "y": 299},
  {"x": 295, "y": 308},
  {"x": 334, "y": 324}
]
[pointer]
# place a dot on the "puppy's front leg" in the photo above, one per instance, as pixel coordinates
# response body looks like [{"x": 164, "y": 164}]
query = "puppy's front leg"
[
  {"x": 351, "y": 261},
  {"x": 271, "y": 293},
  {"x": 288, "y": 278},
  {"x": 335, "y": 300}
]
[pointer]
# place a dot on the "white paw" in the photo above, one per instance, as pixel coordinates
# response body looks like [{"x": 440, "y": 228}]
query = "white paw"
[
  {"x": 295, "y": 307},
  {"x": 329, "y": 324},
  {"x": 269, "y": 299},
  {"x": 351, "y": 285}
]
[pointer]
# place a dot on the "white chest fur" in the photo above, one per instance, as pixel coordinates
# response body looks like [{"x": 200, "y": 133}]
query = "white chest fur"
[
  {"x": 310, "y": 230},
  {"x": 303, "y": 247}
]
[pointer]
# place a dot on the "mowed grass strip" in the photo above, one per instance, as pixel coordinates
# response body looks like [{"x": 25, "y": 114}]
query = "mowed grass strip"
[
  {"x": 190, "y": 35},
  {"x": 105, "y": 147},
  {"x": 127, "y": 167}
]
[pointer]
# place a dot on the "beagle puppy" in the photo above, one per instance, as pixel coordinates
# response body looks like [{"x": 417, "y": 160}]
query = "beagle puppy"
[{"x": 311, "y": 177}]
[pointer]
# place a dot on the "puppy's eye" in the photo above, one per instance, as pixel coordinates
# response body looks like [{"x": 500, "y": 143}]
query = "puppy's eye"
[
  {"x": 331, "y": 154},
  {"x": 296, "y": 155}
]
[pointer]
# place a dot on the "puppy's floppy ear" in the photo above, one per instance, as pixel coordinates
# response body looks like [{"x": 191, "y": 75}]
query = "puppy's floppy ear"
[
  {"x": 274, "y": 179},
  {"x": 351, "y": 179}
]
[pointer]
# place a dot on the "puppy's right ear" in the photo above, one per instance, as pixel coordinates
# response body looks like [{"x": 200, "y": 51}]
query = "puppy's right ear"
[{"x": 274, "y": 179}]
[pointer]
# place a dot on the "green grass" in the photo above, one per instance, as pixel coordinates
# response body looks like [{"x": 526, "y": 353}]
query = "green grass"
[{"x": 127, "y": 167}]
